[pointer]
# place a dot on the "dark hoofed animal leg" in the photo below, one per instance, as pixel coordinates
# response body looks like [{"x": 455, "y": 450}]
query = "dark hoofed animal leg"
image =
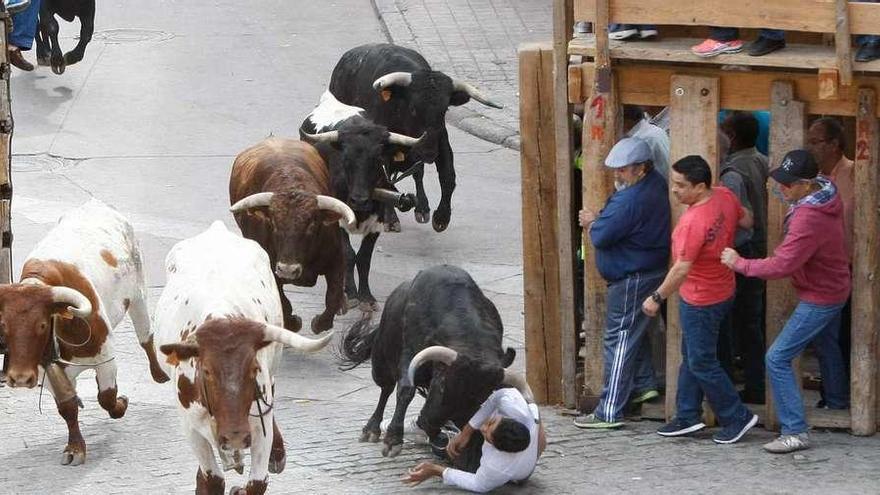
[
  {"x": 278, "y": 456},
  {"x": 292, "y": 322},
  {"x": 392, "y": 222},
  {"x": 372, "y": 430},
  {"x": 86, "y": 30},
  {"x": 350, "y": 262},
  {"x": 394, "y": 434},
  {"x": 368, "y": 303},
  {"x": 335, "y": 301},
  {"x": 423, "y": 210},
  {"x": 446, "y": 173},
  {"x": 115, "y": 406},
  {"x": 209, "y": 484},
  {"x": 75, "y": 452}
]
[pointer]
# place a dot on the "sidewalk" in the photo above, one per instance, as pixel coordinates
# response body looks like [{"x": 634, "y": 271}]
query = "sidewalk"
[{"x": 477, "y": 42}]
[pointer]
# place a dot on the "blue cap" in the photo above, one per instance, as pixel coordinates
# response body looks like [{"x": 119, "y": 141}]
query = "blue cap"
[{"x": 628, "y": 151}]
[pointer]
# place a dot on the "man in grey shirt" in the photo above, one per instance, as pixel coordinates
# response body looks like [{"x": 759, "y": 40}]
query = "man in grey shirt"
[{"x": 744, "y": 171}]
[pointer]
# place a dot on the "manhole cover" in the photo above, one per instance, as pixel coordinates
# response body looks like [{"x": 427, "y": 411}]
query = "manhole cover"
[
  {"x": 132, "y": 35},
  {"x": 36, "y": 163}
]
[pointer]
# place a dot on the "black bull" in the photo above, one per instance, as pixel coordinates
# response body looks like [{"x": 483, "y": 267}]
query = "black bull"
[
  {"x": 438, "y": 334},
  {"x": 48, "y": 49},
  {"x": 397, "y": 89}
]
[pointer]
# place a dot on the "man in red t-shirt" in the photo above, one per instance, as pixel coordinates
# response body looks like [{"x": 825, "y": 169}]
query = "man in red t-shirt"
[{"x": 706, "y": 288}]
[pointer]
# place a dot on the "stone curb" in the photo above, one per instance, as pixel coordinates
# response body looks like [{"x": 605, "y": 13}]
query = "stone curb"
[{"x": 469, "y": 121}]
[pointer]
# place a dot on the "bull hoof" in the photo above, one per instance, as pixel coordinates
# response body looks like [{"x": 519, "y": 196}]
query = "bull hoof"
[
  {"x": 392, "y": 450},
  {"x": 73, "y": 455},
  {"x": 237, "y": 490},
  {"x": 423, "y": 216},
  {"x": 277, "y": 465},
  {"x": 121, "y": 407},
  {"x": 294, "y": 323},
  {"x": 368, "y": 307},
  {"x": 159, "y": 376},
  {"x": 392, "y": 227},
  {"x": 352, "y": 302},
  {"x": 43, "y": 61},
  {"x": 370, "y": 436},
  {"x": 440, "y": 220},
  {"x": 58, "y": 65},
  {"x": 321, "y": 324}
]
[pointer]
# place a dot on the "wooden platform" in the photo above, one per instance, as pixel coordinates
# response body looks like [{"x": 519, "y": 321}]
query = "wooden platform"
[{"x": 793, "y": 56}]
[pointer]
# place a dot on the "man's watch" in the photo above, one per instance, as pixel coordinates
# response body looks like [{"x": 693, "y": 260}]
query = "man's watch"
[{"x": 657, "y": 297}]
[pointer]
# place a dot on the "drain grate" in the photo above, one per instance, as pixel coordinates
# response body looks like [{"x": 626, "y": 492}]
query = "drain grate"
[{"x": 132, "y": 35}]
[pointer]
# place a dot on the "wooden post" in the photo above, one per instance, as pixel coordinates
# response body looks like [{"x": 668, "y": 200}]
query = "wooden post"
[
  {"x": 693, "y": 130},
  {"x": 842, "y": 43},
  {"x": 866, "y": 268},
  {"x": 599, "y": 134},
  {"x": 563, "y": 20},
  {"x": 5, "y": 167},
  {"x": 787, "y": 127},
  {"x": 540, "y": 253}
]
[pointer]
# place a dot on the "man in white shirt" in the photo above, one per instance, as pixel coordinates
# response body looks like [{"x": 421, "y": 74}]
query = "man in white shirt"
[{"x": 512, "y": 439}]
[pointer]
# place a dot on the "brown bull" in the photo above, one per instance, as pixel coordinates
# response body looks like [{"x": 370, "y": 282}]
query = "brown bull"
[{"x": 281, "y": 198}]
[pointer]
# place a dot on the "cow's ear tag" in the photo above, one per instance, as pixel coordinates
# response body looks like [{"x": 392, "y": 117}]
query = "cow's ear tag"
[
  {"x": 399, "y": 156},
  {"x": 386, "y": 94}
]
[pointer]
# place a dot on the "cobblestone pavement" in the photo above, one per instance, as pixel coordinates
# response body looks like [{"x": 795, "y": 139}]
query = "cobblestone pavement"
[
  {"x": 150, "y": 122},
  {"x": 475, "y": 40}
]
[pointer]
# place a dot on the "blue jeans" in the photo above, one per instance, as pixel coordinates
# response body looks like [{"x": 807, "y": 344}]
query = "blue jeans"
[
  {"x": 627, "y": 345},
  {"x": 730, "y": 34},
  {"x": 700, "y": 372},
  {"x": 24, "y": 26},
  {"x": 820, "y": 325}
]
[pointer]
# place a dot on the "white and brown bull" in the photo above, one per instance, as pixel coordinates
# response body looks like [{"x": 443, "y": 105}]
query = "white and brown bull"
[
  {"x": 280, "y": 194},
  {"x": 75, "y": 287},
  {"x": 219, "y": 323}
]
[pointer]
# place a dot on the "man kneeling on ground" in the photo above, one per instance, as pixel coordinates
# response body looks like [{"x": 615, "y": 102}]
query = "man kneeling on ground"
[{"x": 501, "y": 443}]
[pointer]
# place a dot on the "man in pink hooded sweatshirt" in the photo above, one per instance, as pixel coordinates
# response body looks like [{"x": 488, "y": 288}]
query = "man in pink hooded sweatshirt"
[{"x": 813, "y": 253}]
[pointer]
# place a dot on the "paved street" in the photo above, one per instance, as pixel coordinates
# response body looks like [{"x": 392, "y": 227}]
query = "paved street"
[{"x": 168, "y": 93}]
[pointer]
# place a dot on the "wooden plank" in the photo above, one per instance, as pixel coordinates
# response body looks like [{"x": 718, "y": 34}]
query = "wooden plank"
[
  {"x": 637, "y": 84},
  {"x": 842, "y": 42},
  {"x": 866, "y": 268},
  {"x": 575, "y": 85},
  {"x": 693, "y": 130},
  {"x": 599, "y": 135},
  {"x": 565, "y": 207},
  {"x": 794, "y": 56},
  {"x": 815, "y": 16},
  {"x": 5, "y": 165},
  {"x": 829, "y": 84},
  {"x": 533, "y": 268},
  {"x": 787, "y": 127}
]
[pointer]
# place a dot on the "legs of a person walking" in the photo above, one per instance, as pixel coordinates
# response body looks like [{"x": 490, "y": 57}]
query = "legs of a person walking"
[
  {"x": 24, "y": 26},
  {"x": 805, "y": 323},
  {"x": 626, "y": 334},
  {"x": 700, "y": 326},
  {"x": 835, "y": 378}
]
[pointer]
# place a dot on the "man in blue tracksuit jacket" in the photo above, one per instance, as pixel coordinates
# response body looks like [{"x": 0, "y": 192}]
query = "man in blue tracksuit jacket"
[{"x": 631, "y": 236}]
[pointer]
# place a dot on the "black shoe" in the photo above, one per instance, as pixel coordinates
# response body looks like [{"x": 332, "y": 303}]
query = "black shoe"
[
  {"x": 868, "y": 52},
  {"x": 734, "y": 431},
  {"x": 678, "y": 427},
  {"x": 763, "y": 46}
]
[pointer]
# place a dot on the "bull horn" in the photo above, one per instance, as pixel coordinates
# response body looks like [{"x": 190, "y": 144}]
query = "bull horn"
[
  {"x": 474, "y": 93},
  {"x": 321, "y": 137},
  {"x": 253, "y": 201},
  {"x": 274, "y": 333},
  {"x": 519, "y": 381},
  {"x": 332, "y": 204},
  {"x": 434, "y": 353},
  {"x": 79, "y": 304},
  {"x": 402, "y": 140},
  {"x": 393, "y": 79}
]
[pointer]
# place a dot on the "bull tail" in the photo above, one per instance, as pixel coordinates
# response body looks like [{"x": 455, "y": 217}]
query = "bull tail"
[{"x": 357, "y": 345}]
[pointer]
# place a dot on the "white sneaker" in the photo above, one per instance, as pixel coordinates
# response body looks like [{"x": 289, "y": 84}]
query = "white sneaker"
[{"x": 785, "y": 444}]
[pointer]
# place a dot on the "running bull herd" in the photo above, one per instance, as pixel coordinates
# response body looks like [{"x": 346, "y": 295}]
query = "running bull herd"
[{"x": 222, "y": 320}]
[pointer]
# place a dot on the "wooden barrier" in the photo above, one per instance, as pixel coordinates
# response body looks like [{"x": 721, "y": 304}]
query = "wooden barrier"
[
  {"x": 5, "y": 167},
  {"x": 541, "y": 264},
  {"x": 693, "y": 130},
  {"x": 866, "y": 273},
  {"x": 787, "y": 127}
]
